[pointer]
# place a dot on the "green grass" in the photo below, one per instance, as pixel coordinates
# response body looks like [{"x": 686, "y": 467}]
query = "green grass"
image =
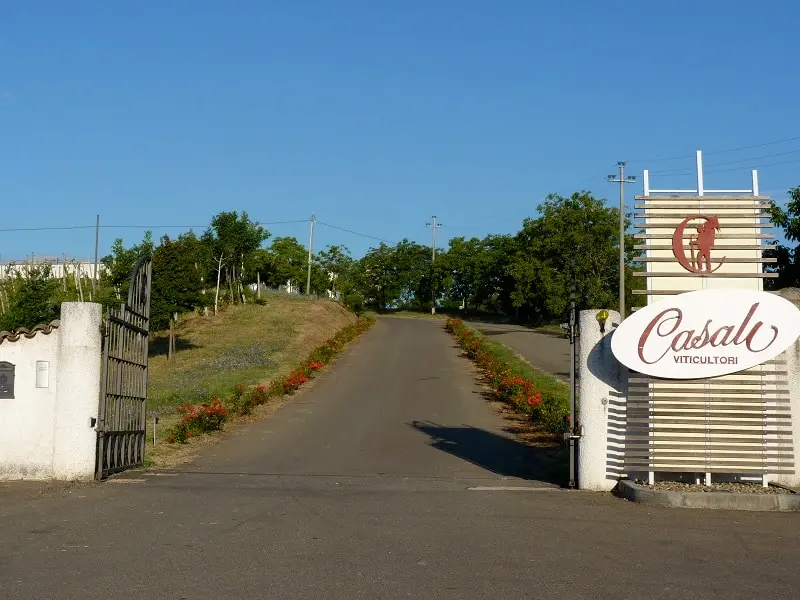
[
  {"x": 244, "y": 345},
  {"x": 550, "y": 330},
  {"x": 519, "y": 366},
  {"x": 409, "y": 314}
]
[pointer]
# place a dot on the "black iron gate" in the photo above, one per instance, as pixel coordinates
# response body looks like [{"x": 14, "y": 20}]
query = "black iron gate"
[{"x": 123, "y": 389}]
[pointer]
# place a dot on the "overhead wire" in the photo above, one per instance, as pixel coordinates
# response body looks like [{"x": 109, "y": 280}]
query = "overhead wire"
[
  {"x": 365, "y": 235},
  {"x": 186, "y": 227},
  {"x": 73, "y": 227},
  {"x": 716, "y": 152}
]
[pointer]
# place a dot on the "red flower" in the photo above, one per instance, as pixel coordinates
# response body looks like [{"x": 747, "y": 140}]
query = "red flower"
[{"x": 535, "y": 399}]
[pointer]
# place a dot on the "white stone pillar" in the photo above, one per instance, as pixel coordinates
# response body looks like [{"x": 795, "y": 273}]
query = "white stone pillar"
[
  {"x": 78, "y": 390},
  {"x": 602, "y": 387},
  {"x": 793, "y": 368}
]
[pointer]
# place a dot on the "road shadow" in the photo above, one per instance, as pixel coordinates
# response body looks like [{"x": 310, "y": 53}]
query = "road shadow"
[{"x": 496, "y": 453}]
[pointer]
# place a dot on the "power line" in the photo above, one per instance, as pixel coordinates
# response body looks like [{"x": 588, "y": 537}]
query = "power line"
[
  {"x": 712, "y": 168},
  {"x": 75, "y": 227},
  {"x": 739, "y": 149},
  {"x": 372, "y": 237},
  {"x": 601, "y": 175},
  {"x": 783, "y": 162},
  {"x": 783, "y": 141}
]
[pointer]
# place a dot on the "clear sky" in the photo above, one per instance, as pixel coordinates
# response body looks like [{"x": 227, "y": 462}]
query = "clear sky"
[{"x": 376, "y": 114}]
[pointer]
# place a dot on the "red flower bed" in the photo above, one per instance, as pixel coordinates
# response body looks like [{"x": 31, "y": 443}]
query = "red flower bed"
[
  {"x": 199, "y": 419},
  {"x": 294, "y": 381}
]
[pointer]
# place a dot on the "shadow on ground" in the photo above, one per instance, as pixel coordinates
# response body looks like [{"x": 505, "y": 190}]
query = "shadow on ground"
[
  {"x": 159, "y": 346},
  {"x": 496, "y": 453}
]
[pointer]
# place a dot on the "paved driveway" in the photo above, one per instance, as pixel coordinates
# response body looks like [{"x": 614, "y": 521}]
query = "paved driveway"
[{"x": 391, "y": 478}]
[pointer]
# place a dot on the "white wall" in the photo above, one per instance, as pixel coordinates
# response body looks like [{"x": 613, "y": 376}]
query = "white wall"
[
  {"x": 47, "y": 432},
  {"x": 27, "y": 422}
]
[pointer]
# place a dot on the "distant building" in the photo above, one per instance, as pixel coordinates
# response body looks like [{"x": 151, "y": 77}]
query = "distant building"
[{"x": 84, "y": 267}]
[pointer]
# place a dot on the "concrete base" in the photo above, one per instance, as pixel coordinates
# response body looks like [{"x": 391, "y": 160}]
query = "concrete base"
[{"x": 715, "y": 500}]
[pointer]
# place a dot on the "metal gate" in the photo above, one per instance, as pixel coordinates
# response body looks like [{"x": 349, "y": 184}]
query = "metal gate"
[{"x": 123, "y": 388}]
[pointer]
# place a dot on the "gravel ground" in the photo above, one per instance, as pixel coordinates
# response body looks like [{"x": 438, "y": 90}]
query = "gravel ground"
[{"x": 736, "y": 488}]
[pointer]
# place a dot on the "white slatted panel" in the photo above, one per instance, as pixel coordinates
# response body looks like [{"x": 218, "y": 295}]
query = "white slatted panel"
[
  {"x": 735, "y": 424},
  {"x": 738, "y": 423}
]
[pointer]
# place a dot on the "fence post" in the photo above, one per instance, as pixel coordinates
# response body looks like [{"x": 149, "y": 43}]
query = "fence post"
[
  {"x": 78, "y": 390},
  {"x": 602, "y": 388}
]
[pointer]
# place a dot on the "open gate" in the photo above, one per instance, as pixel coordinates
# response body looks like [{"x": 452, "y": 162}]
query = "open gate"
[{"x": 121, "y": 418}]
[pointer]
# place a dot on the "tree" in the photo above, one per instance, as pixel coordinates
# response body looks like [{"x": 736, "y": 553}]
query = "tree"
[
  {"x": 337, "y": 270},
  {"x": 234, "y": 239},
  {"x": 120, "y": 263},
  {"x": 178, "y": 272},
  {"x": 414, "y": 274},
  {"x": 380, "y": 283},
  {"x": 788, "y": 257},
  {"x": 33, "y": 300},
  {"x": 287, "y": 261},
  {"x": 463, "y": 271},
  {"x": 575, "y": 239}
]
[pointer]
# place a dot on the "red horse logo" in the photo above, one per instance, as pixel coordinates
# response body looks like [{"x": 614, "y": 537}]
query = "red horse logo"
[{"x": 701, "y": 244}]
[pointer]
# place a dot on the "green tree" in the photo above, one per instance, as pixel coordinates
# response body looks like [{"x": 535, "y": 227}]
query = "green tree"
[
  {"x": 380, "y": 284},
  {"x": 178, "y": 272},
  {"x": 120, "y": 263},
  {"x": 574, "y": 239},
  {"x": 288, "y": 261},
  {"x": 414, "y": 274},
  {"x": 32, "y": 300},
  {"x": 787, "y": 255},
  {"x": 233, "y": 239},
  {"x": 337, "y": 269}
]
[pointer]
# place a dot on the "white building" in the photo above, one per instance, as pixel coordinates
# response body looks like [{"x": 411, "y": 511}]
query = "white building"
[{"x": 83, "y": 267}]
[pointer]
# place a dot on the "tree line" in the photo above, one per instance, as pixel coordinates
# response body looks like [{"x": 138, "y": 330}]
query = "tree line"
[{"x": 568, "y": 252}]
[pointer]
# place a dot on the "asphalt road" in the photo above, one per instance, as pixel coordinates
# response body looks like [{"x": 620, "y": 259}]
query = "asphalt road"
[
  {"x": 549, "y": 353},
  {"x": 383, "y": 481}
]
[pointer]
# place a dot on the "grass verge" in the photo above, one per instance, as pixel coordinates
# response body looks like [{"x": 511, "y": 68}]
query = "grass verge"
[
  {"x": 541, "y": 396},
  {"x": 554, "y": 330}
]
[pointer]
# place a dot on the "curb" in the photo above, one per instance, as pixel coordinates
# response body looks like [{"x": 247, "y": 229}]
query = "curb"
[{"x": 710, "y": 500}]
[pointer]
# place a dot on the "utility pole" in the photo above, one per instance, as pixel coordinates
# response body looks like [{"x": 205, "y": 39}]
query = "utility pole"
[
  {"x": 433, "y": 225},
  {"x": 96, "y": 253},
  {"x": 621, "y": 180},
  {"x": 310, "y": 253}
]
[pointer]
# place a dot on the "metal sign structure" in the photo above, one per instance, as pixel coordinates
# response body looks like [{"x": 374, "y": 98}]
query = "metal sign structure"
[{"x": 734, "y": 424}]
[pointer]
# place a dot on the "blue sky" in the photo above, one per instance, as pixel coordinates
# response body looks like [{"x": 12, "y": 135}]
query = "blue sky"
[{"x": 376, "y": 114}]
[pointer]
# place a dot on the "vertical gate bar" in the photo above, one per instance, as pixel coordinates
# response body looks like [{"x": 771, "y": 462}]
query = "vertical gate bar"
[
  {"x": 145, "y": 346},
  {"x": 119, "y": 341},
  {"x": 573, "y": 417},
  {"x": 101, "y": 409}
]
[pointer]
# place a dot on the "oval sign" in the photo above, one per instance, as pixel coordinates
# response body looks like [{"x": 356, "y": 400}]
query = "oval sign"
[{"x": 706, "y": 333}]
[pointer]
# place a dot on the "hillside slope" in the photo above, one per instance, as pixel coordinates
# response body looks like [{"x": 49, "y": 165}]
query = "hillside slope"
[{"x": 243, "y": 345}]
